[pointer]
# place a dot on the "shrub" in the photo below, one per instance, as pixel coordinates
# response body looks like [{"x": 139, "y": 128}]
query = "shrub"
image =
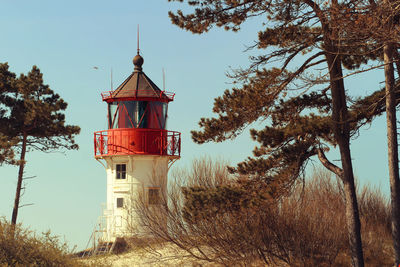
[
  {"x": 238, "y": 221},
  {"x": 22, "y": 247}
]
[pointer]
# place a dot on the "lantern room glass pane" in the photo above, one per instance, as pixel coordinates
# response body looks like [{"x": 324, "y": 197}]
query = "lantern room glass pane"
[
  {"x": 137, "y": 114},
  {"x": 123, "y": 116},
  {"x": 140, "y": 115},
  {"x": 112, "y": 109},
  {"x": 157, "y": 115},
  {"x": 130, "y": 113}
]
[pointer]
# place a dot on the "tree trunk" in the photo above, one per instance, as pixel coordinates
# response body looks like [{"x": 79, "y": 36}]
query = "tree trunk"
[
  {"x": 352, "y": 212},
  {"x": 393, "y": 157},
  {"x": 19, "y": 184},
  {"x": 342, "y": 137}
]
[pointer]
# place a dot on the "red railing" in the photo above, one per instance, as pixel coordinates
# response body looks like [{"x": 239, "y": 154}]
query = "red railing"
[
  {"x": 129, "y": 141},
  {"x": 108, "y": 94}
]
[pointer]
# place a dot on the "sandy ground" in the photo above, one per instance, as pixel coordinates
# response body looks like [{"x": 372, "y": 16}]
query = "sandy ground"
[{"x": 165, "y": 255}]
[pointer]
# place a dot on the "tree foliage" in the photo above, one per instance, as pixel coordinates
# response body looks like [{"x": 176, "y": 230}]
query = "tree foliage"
[
  {"x": 6, "y": 149},
  {"x": 6, "y": 143},
  {"x": 300, "y": 123},
  {"x": 34, "y": 110}
]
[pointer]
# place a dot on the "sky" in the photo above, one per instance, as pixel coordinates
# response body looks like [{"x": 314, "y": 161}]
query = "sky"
[{"x": 77, "y": 43}]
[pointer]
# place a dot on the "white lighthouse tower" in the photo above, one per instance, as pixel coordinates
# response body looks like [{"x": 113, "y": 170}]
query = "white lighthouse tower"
[{"x": 136, "y": 150}]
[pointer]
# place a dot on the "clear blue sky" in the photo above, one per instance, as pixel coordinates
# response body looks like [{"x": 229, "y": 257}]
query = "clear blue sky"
[{"x": 66, "y": 39}]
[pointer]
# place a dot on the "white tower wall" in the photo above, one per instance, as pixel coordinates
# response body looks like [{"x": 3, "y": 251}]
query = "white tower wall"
[{"x": 143, "y": 173}]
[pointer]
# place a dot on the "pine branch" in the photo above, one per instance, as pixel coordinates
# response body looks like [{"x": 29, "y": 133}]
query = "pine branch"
[{"x": 329, "y": 165}]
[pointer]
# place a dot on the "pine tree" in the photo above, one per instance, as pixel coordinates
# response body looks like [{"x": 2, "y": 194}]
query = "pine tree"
[
  {"x": 303, "y": 116},
  {"x": 33, "y": 116},
  {"x": 377, "y": 25}
]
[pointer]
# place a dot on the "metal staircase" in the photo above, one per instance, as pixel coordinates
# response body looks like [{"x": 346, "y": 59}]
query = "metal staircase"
[
  {"x": 100, "y": 241},
  {"x": 104, "y": 248}
]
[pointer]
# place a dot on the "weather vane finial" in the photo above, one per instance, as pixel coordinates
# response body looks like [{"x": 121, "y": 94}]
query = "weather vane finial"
[
  {"x": 138, "y": 60},
  {"x": 138, "y": 50}
]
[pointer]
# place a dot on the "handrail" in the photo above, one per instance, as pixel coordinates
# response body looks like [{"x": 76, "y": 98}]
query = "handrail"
[
  {"x": 130, "y": 141},
  {"x": 108, "y": 94}
]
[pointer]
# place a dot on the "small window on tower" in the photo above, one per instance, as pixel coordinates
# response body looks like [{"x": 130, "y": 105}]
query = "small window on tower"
[
  {"x": 154, "y": 196},
  {"x": 121, "y": 171},
  {"x": 120, "y": 202}
]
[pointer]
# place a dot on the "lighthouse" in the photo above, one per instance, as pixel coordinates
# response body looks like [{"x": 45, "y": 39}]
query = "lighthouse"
[{"x": 136, "y": 150}]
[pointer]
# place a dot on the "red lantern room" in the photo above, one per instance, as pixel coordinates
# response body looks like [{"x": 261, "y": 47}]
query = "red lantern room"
[{"x": 137, "y": 119}]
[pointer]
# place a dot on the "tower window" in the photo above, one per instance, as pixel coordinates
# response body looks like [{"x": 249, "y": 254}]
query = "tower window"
[
  {"x": 121, "y": 171},
  {"x": 154, "y": 196},
  {"x": 120, "y": 202}
]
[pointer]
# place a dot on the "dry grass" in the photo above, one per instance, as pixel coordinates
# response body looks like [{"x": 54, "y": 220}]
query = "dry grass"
[{"x": 22, "y": 247}]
